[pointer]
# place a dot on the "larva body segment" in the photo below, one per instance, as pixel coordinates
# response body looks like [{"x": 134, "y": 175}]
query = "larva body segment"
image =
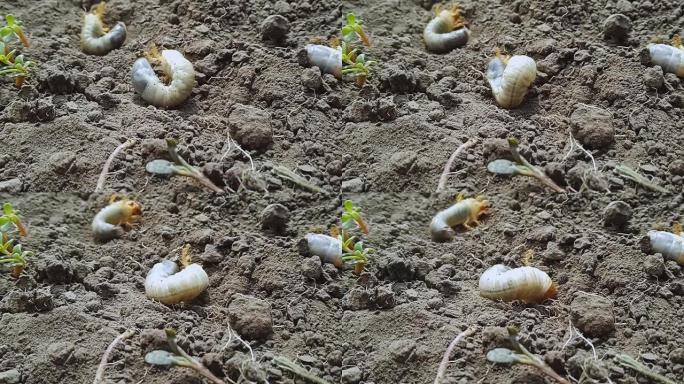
[
  {"x": 671, "y": 246},
  {"x": 176, "y": 67},
  {"x": 527, "y": 284},
  {"x": 668, "y": 57},
  {"x": 328, "y": 248},
  {"x": 465, "y": 212},
  {"x": 107, "y": 223},
  {"x": 439, "y": 34},
  {"x": 328, "y": 59},
  {"x": 165, "y": 284},
  {"x": 94, "y": 41},
  {"x": 510, "y": 79}
]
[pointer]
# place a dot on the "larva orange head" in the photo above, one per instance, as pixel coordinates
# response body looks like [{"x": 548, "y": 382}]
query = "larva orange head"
[
  {"x": 481, "y": 206},
  {"x": 551, "y": 292},
  {"x": 455, "y": 17},
  {"x": 132, "y": 208}
]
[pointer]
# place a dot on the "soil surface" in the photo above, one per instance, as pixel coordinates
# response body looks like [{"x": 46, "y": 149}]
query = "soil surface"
[{"x": 384, "y": 146}]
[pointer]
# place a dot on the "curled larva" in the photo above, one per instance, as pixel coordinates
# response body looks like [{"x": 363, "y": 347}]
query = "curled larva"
[
  {"x": 670, "y": 58},
  {"x": 446, "y": 31},
  {"x": 527, "y": 284},
  {"x": 510, "y": 78},
  {"x": 328, "y": 248},
  {"x": 175, "y": 67},
  {"x": 165, "y": 284},
  {"x": 327, "y": 59},
  {"x": 107, "y": 223},
  {"x": 671, "y": 246},
  {"x": 464, "y": 212},
  {"x": 94, "y": 40}
]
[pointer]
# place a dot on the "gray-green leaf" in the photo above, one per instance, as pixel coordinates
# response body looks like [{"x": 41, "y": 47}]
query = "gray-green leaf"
[
  {"x": 502, "y": 356},
  {"x": 160, "y": 167},
  {"x": 160, "y": 357},
  {"x": 502, "y": 167}
]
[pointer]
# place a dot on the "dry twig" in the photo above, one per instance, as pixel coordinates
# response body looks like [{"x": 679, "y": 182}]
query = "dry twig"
[
  {"x": 108, "y": 163},
  {"x": 99, "y": 375},
  {"x": 445, "y": 360},
  {"x": 447, "y": 167}
]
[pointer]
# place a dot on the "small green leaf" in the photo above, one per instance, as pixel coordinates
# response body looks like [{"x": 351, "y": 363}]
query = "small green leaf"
[
  {"x": 7, "y": 209},
  {"x": 502, "y": 356},
  {"x": 160, "y": 357},
  {"x": 346, "y": 30},
  {"x": 11, "y": 20},
  {"x": 351, "y": 19},
  {"x": 160, "y": 167},
  {"x": 348, "y": 205},
  {"x": 503, "y": 167}
]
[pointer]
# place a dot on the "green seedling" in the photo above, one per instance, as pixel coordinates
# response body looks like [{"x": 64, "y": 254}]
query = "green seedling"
[
  {"x": 358, "y": 68},
  {"x": 13, "y": 65},
  {"x": 520, "y": 355},
  {"x": 630, "y": 174},
  {"x": 288, "y": 175},
  {"x": 178, "y": 167},
  {"x": 290, "y": 366},
  {"x": 353, "y": 250},
  {"x": 520, "y": 167},
  {"x": 629, "y": 362},
  {"x": 177, "y": 356},
  {"x": 12, "y": 254},
  {"x": 353, "y": 29}
]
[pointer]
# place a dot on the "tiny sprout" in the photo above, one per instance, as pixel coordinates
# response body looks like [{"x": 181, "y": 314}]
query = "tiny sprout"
[
  {"x": 630, "y": 174},
  {"x": 10, "y": 253},
  {"x": 177, "y": 356},
  {"x": 358, "y": 68},
  {"x": 13, "y": 65},
  {"x": 520, "y": 167},
  {"x": 629, "y": 362},
  {"x": 351, "y": 216},
  {"x": 353, "y": 29},
  {"x": 520, "y": 355},
  {"x": 179, "y": 167}
]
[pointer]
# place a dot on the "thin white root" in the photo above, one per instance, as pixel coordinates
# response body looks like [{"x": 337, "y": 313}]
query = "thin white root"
[
  {"x": 447, "y": 167},
  {"x": 99, "y": 375},
  {"x": 574, "y": 144},
  {"x": 108, "y": 163},
  {"x": 233, "y": 335},
  {"x": 445, "y": 360}
]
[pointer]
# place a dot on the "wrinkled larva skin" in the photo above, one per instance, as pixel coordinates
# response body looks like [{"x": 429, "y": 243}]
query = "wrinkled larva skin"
[
  {"x": 527, "y": 284},
  {"x": 165, "y": 284},
  {"x": 671, "y": 246},
  {"x": 328, "y": 59},
  {"x": 107, "y": 223},
  {"x": 328, "y": 248},
  {"x": 439, "y": 36},
  {"x": 464, "y": 212},
  {"x": 511, "y": 80},
  {"x": 94, "y": 41},
  {"x": 178, "y": 69},
  {"x": 670, "y": 58}
]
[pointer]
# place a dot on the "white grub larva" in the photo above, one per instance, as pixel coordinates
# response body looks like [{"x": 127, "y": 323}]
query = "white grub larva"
[
  {"x": 446, "y": 31},
  {"x": 510, "y": 78},
  {"x": 464, "y": 212},
  {"x": 327, "y": 59},
  {"x": 668, "y": 244},
  {"x": 175, "y": 67},
  {"x": 107, "y": 224},
  {"x": 95, "y": 40},
  {"x": 328, "y": 248},
  {"x": 668, "y": 57},
  {"x": 527, "y": 284},
  {"x": 165, "y": 284}
]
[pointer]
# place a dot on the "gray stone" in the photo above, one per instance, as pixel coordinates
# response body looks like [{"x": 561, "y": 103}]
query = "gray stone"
[
  {"x": 251, "y": 127},
  {"x": 11, "y": 185},
  {"x": 10, "y": 377},
  {"x": 275, "y": 218},
  {"x": 654, "y": 265},
  {"x": 250, "y": 317},
  {"x": 593, "y": 315},
  {"x": 617, "y": 27},
  {"x": 617, "y": 214},
  {"x": 311, "y": 78},
  {"x": 654, "y": 77},
  {"x": 351, "y": 375},
  {"x": 352, "y": 185},
  {"x": 275, "y": 28},
  {"x": 592, "y": 126}
]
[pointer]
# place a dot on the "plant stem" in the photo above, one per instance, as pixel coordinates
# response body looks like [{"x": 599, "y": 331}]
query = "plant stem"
[
  {"x": 99, "y": 375},
  {"x": 537, "y": 173},
  {"x": 633, "y": 175},
  {"x": 447, "y": 355},
  {"x": 193, "y": 172},
  {"x": 629, "y": 362},
  {"x": 108, "y": 163},
  {"x": 287, "y": 174},
  {"x": 192, "y": 362},
  {"x": 290, "y": 366},
  {"x": 447, "y": 167}
]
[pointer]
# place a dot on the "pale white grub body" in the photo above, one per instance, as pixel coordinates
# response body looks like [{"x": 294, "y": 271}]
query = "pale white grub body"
[
  {"x": 668, "y": 57},
  {"x": 510, "y": 81},
  {"x": 527, "y": 284},
  {"x": 179, "y": 71},
  {"x": 107, "y": 222},
  {"x": 327, "y": 59},
  {"x": 94, "y": 41},
  {"x": 671, "y": 246},
  {"x": 439, "y": 36},
  {"x": 463, "y": 212},
  {"x": 165, "y": 284},
  {"x": 328, "y": 248}
]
